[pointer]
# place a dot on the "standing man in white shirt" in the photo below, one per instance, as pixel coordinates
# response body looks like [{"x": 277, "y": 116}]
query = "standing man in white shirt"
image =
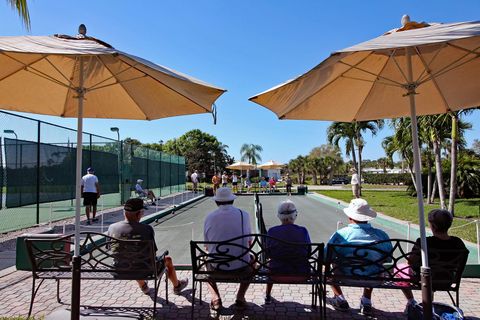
[
  {"x": 90, "y": 193},
  {"x": 224, "y": 179},
  {"x": 194, "y": 178},
  {"x": 355, "y": 183},
  {"x": 234, "y": 183}
]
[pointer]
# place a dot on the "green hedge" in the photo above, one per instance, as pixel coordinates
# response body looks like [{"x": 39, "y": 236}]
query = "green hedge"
[{"x": 392, "y": 178}]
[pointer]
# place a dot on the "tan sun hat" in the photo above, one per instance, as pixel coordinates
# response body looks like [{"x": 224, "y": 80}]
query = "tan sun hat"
[{"x": 359, "y": 210}]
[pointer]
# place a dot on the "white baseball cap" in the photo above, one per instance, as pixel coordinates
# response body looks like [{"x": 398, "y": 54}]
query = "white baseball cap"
[
  {"x": 224, "y": 195},
  {"x": 139, "y": 180},
  {"x": 359, "y": 210}
]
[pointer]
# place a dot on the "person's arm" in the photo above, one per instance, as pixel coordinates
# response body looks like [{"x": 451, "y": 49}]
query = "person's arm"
[{"x": 97, "y": 185}]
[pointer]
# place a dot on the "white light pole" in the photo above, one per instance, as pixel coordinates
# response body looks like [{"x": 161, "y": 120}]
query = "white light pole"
[{"x": 120, "y": 163}]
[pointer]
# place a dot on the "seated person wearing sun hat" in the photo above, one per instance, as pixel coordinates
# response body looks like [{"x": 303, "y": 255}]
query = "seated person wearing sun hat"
[
  {"x": 144, "y": 192},
  {"x": 359, "y": 231},
  {"x": 283, "y": 259}
]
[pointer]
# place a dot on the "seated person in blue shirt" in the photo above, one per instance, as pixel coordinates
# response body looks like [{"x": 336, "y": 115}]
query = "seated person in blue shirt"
[
  {"x": 359, "y": 231},
  {"x": 144, "y": 192},
  {"x": 286, "y": 260}
]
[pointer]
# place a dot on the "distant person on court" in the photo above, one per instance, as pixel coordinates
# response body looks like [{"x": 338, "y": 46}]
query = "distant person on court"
[
  {"x": 144, "y": 192},
  {"x": 132, "y": 229},
  {"x": 216, "y": 182},
  {"x": 272, "y": 184},
  {"x": 224, "y": 179},
  {"x": 225, "y": 223},
  {"x": 288, "y": 184},
  {"x": 263, "y": 185},
  {"x": 90, "y": 189},
  {"x": 194, "y": 178},
  {"x": 359, "y": 231},
  {"x": 440, "y": 221},
  {"x": 287, "y": 260},
  {"x": 248, "y": 184},
  {"x": 355, "y": 183},
  {"x": 234, "y": 183}
]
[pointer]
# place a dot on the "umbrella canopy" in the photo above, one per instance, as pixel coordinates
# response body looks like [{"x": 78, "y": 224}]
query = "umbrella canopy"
[
  {"x": 373, "y": 78},
  {"x": 240, "y": 165},
  {"x": 270, "y": 165},
  {"x": 418, "y": 69},
  {"x": 41, "y": 74},
  {"x": 86, "y": 77}
]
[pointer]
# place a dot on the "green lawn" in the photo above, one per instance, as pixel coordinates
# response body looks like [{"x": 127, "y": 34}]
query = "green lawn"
[{"x": 399, "y": 205}]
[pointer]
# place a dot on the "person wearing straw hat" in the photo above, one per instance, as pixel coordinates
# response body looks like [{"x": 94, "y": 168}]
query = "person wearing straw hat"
[
  {"x": 228, "y": 222},
  {"x": 132, "y": 229},
  {"x": 359, "y": 231},
  {"x": 90, "y": 190},
  {"x": 284, "y": 259}
]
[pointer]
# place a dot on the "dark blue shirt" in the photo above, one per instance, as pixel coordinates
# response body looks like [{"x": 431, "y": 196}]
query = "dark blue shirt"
[{"x": 288, "y": 259}]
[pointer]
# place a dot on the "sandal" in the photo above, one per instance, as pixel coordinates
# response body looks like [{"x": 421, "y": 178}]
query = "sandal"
[{"x": 216, "y": 304}]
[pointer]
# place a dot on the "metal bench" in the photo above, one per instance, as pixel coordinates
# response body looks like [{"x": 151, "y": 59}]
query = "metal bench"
[
  {"x": 259, "y": 254},
  {"x": 350, "y": 265},
  {"x": 102, "y": 258}
]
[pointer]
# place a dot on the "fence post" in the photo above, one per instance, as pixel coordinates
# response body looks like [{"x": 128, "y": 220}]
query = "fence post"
[
  {"x": 90, "y": 151},
  {"x": 38, "y": 174},
  {"x": 408, "y": 235},
  {"x": 161, "y": 182},
  {"x": 120, "y": 169}
]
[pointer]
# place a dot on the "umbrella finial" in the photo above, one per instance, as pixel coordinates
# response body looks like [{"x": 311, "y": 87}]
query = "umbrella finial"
[
  {"x": 82, "y": 31},
  {"x": 405, "y": 19}
]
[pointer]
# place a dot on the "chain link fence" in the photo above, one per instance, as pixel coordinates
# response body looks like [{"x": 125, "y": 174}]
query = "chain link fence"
[{"x": 37, "y": 171}]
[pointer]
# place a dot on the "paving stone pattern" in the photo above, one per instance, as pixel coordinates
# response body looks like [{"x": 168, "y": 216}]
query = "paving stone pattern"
[{"x": 125, "y": 298}]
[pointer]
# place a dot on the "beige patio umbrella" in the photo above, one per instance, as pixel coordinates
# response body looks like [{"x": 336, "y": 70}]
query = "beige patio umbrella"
[
  {"x": 241, "y": 165},
  {"x": 84, "y": 77},
  {"x": 418, "y": 69},
  {"x": 270, "y": 165}
]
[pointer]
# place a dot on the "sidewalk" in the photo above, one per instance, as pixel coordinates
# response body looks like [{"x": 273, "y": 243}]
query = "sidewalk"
[{"x": 124, "y": 298}]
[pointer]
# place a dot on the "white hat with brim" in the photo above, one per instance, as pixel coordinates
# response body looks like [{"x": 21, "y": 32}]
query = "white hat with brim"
[
  {"x": 224, "y": 195},
  {"x": 359, "y": 210},
  {"x": 139, "y": 181}
]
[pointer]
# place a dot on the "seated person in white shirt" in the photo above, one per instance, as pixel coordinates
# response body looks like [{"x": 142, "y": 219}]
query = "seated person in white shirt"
[{"x": 144, "y": 192}]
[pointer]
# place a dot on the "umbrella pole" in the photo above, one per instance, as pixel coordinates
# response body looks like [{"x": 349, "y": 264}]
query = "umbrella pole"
[
  {"x": 75, "y": 306},
  {"x": 426, "y": 282}
]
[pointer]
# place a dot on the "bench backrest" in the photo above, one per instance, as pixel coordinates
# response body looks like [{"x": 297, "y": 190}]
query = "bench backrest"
[
  {"x": 263, "y": 250},
  {"x": 368, "y": 262},
  {"x": 99, "y": 253}
]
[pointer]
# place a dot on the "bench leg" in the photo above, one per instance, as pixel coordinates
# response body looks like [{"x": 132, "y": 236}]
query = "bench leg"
[
  {"x": 194, "y": 287},
  {"x": 34, "y": 293},
  {"x": 157, "y": 284},
  {"x": 58, "y": 291},
  {"x": 166, "y": 288}
]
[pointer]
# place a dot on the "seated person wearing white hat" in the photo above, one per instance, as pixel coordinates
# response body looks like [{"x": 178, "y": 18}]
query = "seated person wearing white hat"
[
  {"x": 359, "y": 231},
  {"x": 144, "y": 192},
  {"x": 225, "y": 223},
  {"x": 287, "y": 260}
]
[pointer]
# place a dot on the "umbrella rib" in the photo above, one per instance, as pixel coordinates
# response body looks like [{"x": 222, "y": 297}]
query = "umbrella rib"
[
  {"x": 371, "y": 81},
  {"x": 371, "y": 73},
  {"x": 117, "y": 82},
  {"x": 398, "y": 66},
  {"x": 325, "y": 86},
  {"x": 54, "y": 67},
  {"x": 420, "y": 77},
  {"x": 113, "y": 76},
  {"x": 163, "y": 84},
  {"x": 26, "y": 67},
  {"x": 433, "y": 78}
]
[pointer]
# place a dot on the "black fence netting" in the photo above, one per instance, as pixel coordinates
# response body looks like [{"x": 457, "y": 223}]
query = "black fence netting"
[{"x": 55, "y": 170}]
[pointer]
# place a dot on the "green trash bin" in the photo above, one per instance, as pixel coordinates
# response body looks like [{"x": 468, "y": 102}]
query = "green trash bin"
[
  {"x": 21, "y": 258},
  {"x": 301, "y": 190}
]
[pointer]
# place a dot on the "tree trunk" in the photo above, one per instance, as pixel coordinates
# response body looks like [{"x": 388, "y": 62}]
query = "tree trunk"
[
  {"x": 314, "y": 177},
  {"x": 453, "y": 165},
  {"x": 434, "y": 191},
  {"x": 429, "y": 179},
  {"x": 354, "y": 157},
  {"x": 412, "y": 175},
  {"x": 438, "y": 168},
  {"x": 360, "y": 170}
]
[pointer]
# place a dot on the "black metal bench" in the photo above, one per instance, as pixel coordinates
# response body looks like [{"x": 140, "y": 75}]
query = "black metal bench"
[
  {"x": 259, "y": 254},
  {"x": 51, "y": 258},
  {"x": 387, "y": 271}
]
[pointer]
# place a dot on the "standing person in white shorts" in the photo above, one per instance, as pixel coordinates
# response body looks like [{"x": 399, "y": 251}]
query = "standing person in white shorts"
[
  {"x": 194, "y": 178},
  {"x": 234, "y": 182},
  {"x": 355, "y": 183},
  {"x": 224, "y": 179},
  {"x": 90, "y": 188}
]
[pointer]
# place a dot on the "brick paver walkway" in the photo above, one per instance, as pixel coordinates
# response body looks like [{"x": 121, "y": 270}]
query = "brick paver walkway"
[{"x": 292, "y": 301}]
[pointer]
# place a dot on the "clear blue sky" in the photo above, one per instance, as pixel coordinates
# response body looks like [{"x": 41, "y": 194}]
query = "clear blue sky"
[{"x": 243, "y": 46}]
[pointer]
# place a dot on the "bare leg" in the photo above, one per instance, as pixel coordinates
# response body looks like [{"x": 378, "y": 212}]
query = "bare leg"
[
  {"x": 171, "y": 273},
  {"x": 94, "y": 212},
  {"x": 367, "y": 293},
  {"x": 87, "y": 211},
  {"x": 242, "y": 290},
  {"x": 408, "y": 293},
  {"x": 269, "y": 289},
  {"x": 212, "y": 287},
  {"x": 337, "y": 290}
]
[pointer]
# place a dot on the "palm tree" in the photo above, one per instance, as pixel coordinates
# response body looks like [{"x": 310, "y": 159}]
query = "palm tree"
[
  {"x": 22, "y": 9},
  {"x": 351, "y": 132},
  {"x": 251, "y": 152},
  {"x": 298, "y": 165}
]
